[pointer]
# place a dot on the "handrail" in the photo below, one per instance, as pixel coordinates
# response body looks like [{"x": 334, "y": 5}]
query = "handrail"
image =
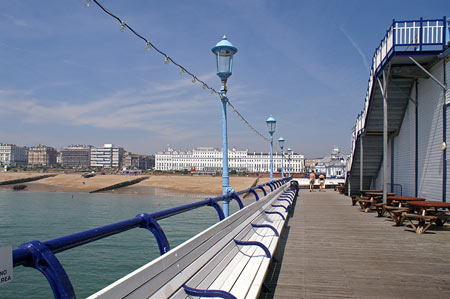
[
  {"x": 402, "y": 36},
  {"x": 41, "y": 255}
]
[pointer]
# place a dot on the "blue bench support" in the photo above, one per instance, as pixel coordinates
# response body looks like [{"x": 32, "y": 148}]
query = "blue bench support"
[
  {"x": 277, "y": 213},
  {"x": 267, "y": 226},
  {"x": 281, "y": 206},
  {"x": 207, "y": 293},
  {"x": 254, "y": 243},
  {"x": 285, "y": 199}
]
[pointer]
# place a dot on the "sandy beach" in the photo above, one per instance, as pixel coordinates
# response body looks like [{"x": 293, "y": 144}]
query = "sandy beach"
[{"x": 76, "y": 183}]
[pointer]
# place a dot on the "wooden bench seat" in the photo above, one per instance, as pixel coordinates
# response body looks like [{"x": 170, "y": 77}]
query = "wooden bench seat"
[{"x": 212, "y": 260}]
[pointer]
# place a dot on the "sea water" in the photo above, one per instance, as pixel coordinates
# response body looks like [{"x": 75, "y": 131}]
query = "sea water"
[{"x": 26, "y": 216}]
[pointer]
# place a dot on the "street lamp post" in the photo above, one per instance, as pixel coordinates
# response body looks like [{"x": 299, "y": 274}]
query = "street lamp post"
[
  {"x": 271, "y": 125},
  {"x": 289, "y": 166},
  {"x": 281, "y": 142},
  {"x": 224, "y": 52}
]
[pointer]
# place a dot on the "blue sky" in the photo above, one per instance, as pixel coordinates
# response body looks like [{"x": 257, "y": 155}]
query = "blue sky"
[{"x": 69, "y": 76}]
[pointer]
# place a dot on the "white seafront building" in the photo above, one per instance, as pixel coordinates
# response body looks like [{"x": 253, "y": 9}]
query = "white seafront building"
[
  {"x": 210, "y": 159},
  {"x": 107, "y": 156},
  {"x": 14, "y": 155}
]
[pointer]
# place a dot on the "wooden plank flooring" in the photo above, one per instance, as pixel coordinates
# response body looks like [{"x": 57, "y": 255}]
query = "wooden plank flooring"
[{"x": 330, "y": 249}]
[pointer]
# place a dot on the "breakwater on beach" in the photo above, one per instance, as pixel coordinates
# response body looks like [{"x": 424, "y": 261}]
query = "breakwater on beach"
[{"x": 27, "y": 216}]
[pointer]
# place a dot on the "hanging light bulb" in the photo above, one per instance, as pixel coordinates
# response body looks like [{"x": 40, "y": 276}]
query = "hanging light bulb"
[
  {"x": 193, "y": 80},
  {"x": 182, "y": 71},
  {"x": 148, "y": 46},
  {"x": 87, "y": 3},
  {"x": 122, "y": 26},
  {"x": 204, "y": 86},
  {"x": 166, "y": 61}
]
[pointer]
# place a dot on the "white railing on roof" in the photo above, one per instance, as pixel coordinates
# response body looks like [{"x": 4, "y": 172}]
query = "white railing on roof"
[{"x": 403, "y": 37}]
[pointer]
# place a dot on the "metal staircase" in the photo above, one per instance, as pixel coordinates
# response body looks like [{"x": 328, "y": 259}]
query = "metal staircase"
[{"x": 421, "y": 40}]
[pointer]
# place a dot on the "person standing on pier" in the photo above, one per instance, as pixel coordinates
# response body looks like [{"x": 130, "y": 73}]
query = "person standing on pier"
[
  {"x": 312, "y": 179},
  {"x": 321, "y": 181}
]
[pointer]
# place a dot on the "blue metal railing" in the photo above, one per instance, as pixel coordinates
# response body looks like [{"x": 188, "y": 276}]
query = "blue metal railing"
[{"x": 41, "y": 255}]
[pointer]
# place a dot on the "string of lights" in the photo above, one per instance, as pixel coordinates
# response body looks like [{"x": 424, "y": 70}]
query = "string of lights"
[
  {"x": 167, "y": 59},
  {"x": 247, "y": 123}
]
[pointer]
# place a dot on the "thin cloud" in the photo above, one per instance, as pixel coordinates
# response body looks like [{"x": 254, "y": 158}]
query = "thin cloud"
[
  {"x": 356, "y": 46},
  {"x": 163, "y": 110},
  {"x": 16, "y": 21}
]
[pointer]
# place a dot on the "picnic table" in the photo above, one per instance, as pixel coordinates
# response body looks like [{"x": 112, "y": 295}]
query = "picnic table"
[
  {"x": 371, "y": 198},
  {"x": 339, "y": 188},
  {"x": 364, "y": 191},
  {"x": 395, "y": 206},
  {"x": 433, "y": 212}
]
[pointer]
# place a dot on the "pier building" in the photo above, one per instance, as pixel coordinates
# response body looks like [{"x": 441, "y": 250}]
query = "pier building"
[
  {"x": 210, "y": 159},
  {"x": 333, "y": 165},
  {"x": 400, "y": 137}
]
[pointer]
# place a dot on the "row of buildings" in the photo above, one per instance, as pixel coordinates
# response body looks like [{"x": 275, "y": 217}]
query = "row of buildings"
[
  {"x": 209, "y": 159},
  {"x": 201, "y": 159},
  {"x": 74, "y": 156}
]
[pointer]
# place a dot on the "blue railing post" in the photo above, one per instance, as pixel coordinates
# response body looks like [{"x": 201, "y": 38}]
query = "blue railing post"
[
  {"x": 152, "y": 225},
  {"x": 238, "y": 199},
  {"x": 254, "y": 193},
  {"x": 394, "y": 35},
  {"x": 263, "y": 190},
  {"x": 213, "y": 203},
  {"x": 43, "y": 260},
  {"x": 445, "y": 23},
  {"x": 421, "y": 34}
]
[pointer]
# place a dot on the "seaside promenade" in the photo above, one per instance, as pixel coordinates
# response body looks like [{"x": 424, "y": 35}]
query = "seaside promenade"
[{"x": 330, "y": 249}]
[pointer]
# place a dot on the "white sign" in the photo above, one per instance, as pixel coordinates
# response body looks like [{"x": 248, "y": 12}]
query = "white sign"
[{"x": 6, "y": 265}]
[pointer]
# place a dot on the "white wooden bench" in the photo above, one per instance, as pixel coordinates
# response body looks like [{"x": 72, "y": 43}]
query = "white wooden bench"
[{"x": 214, "y": 259}]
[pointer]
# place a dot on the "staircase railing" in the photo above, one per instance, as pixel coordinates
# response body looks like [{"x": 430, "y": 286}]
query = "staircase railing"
[{"x": 402, "y": 38}]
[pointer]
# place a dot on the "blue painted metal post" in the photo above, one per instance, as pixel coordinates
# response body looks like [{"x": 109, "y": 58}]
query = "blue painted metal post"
[
  {"x": 271, "y": 157},
  {"x": 281, "y": 141},
  {"x": 271, "y": 125},
  {"x": 225, "y": 177},
  {"x": 224, "y": 52},
  {"x": 289, "y": 160}
]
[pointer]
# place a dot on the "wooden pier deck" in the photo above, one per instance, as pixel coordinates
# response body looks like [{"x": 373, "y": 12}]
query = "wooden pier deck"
[{"x": 330, "y": 249}]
